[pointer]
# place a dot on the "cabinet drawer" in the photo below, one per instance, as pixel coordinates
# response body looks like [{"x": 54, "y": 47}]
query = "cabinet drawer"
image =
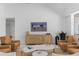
[{"x": 34, "y": 40}]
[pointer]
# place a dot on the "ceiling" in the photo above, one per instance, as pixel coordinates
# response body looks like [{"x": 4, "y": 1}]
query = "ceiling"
[{"x": 61, "y": 8}]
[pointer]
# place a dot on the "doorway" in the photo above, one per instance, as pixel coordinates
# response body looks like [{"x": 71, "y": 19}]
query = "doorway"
[{"x": 10, "y": 27}]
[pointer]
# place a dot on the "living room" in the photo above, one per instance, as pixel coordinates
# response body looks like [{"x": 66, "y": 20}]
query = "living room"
[{"x": 56, "y": 17}]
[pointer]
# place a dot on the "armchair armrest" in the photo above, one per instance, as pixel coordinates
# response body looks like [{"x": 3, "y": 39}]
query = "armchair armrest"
[
  {"x": 15, "y": 40},
  {"x": 15, "y": 44},
  {"x": 61, "y": 41},
  {"x": 73, "y": 46},
  {"x": 74, "y": 43}
]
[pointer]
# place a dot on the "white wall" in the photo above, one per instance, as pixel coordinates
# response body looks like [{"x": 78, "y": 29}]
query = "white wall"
[
  {"x": 68, "y": 25},
  {"x": 70, "y": 10},
  {"x": 2, "y": 22},
  {"x": 24, "y": 14}
]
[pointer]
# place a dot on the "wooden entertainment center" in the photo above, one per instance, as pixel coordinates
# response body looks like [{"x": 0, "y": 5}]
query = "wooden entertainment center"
[{"x": 38, "y": 39}]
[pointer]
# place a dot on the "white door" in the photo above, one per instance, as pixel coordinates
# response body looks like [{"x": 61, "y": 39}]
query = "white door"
[{"x": 10, "y": 27}]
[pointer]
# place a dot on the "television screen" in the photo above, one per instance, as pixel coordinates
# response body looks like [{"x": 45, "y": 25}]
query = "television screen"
[{"x": 38, "y": 26}]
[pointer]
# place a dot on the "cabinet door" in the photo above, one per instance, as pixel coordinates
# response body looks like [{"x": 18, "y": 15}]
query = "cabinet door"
[
  {"x": 47, "y": 39},
  {"x": 34, "y": 40}
]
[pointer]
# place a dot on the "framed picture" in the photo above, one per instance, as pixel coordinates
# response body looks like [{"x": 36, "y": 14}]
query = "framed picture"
[{"x": 38, "y": 26}]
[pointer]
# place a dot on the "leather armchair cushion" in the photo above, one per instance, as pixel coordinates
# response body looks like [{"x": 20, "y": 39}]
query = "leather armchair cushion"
[{"x": 5, "y": 48}]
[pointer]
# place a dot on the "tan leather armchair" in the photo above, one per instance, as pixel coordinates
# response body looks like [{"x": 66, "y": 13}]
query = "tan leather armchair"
[
  {"x": 65, "y": 44},
  {"x": 9, "y": 44}
]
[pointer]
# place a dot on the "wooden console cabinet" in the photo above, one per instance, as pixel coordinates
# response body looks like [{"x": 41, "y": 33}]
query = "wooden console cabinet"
[{"x": 38, "y": 39}]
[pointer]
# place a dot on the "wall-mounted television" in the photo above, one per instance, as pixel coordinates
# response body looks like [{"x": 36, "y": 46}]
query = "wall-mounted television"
[{"x": 38, "y": 26}]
